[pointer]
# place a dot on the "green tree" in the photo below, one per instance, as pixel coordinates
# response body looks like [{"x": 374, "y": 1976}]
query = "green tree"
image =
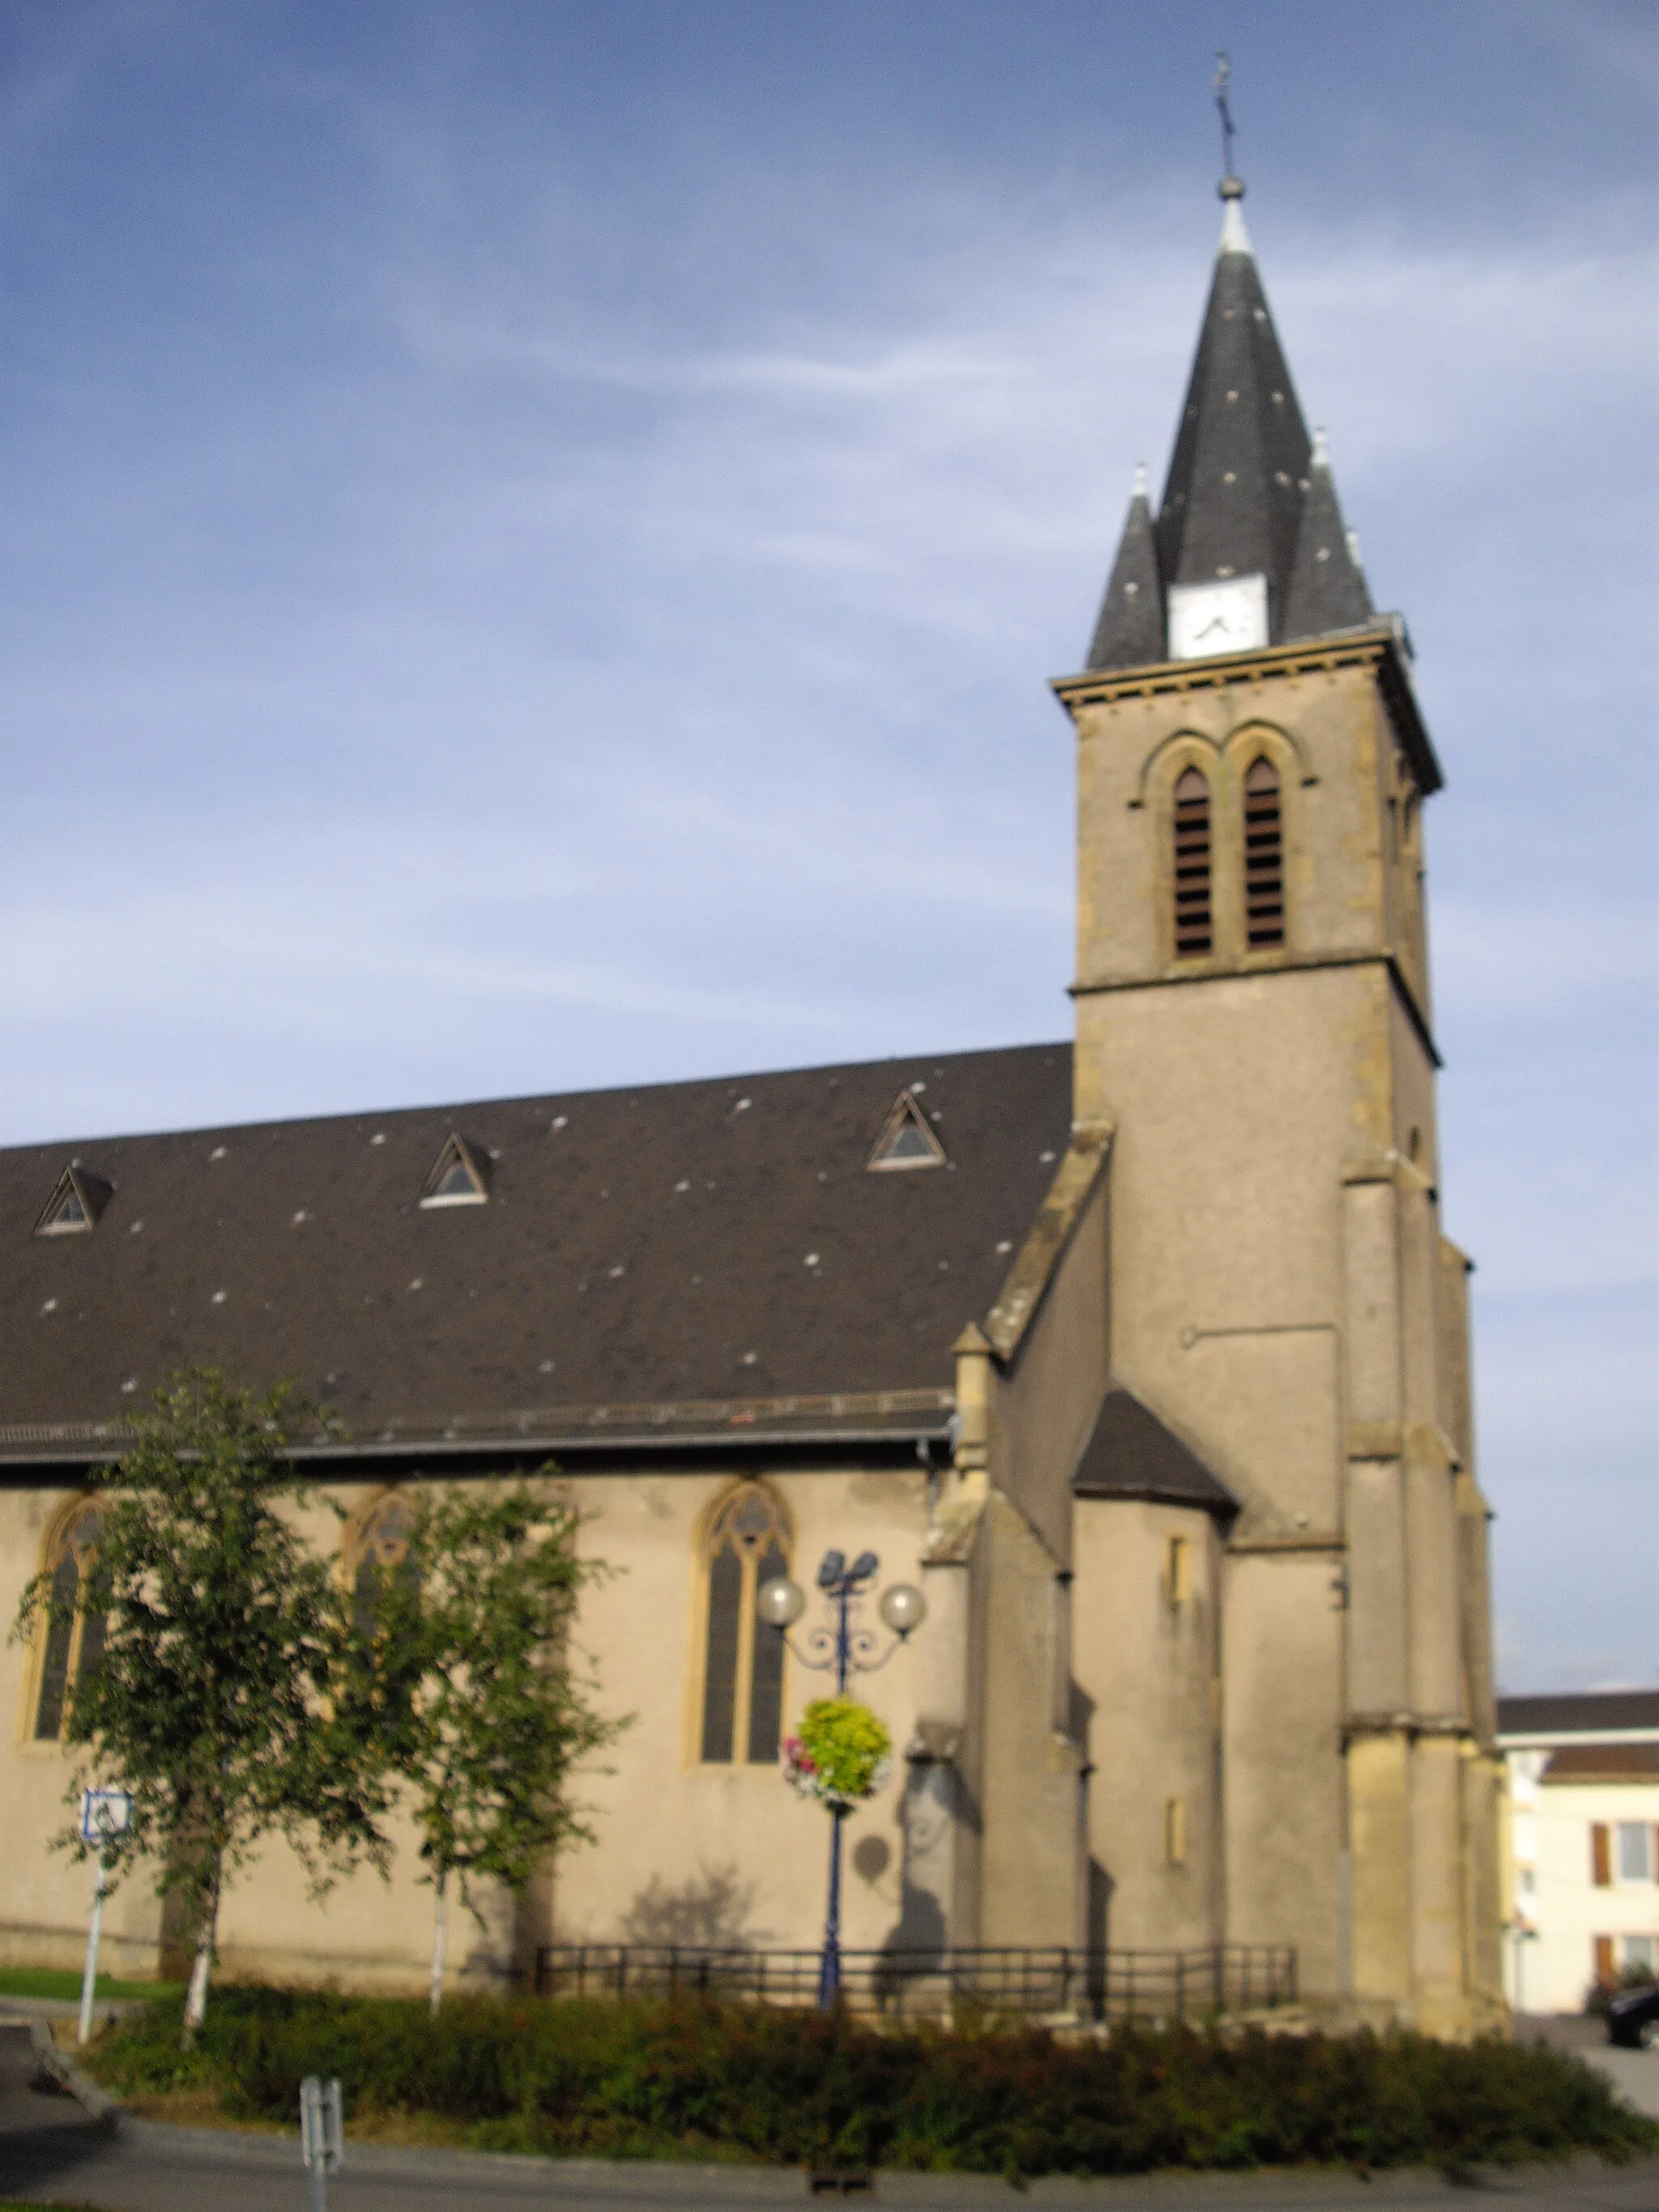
[
  {"x": 464, "y": 1678},
  {"x": 225, "y": 1637}
]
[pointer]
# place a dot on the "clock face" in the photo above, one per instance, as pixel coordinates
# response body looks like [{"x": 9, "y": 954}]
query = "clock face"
[{"x": 1230, "y": 616}]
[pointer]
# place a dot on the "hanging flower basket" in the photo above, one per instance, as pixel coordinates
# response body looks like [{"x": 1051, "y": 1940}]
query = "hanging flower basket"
[{"x": 842, "y": 1755}]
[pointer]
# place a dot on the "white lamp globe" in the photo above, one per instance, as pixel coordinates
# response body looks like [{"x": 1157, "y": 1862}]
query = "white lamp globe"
[
  {"x": 781, "y": 1602},
  {"x": 902, "y": 1608}
]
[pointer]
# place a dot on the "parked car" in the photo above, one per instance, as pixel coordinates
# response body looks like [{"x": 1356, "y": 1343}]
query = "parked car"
[{"x": 1633, "y": 2017}]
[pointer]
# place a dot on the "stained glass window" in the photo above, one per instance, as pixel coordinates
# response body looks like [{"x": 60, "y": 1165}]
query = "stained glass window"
[
  {"x": 743, "y": 1661},
  {"x": 73, "y": 1644}
]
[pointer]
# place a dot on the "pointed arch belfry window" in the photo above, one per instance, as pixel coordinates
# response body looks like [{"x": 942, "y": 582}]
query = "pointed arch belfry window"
[
  {"x": 74, "y": 1639},
  {"x": 742, "y": 1718},
  {"x": 1264, "y": 855},
  {"x": 1195, "y": 932}
]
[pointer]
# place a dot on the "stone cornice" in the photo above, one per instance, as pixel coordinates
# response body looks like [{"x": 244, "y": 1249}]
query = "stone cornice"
[{"x": 1378, "y": 649}]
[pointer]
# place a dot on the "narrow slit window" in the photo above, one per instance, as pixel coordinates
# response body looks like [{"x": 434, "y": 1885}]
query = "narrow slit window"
[
  {"x": 1174, "y": 1832},
  {"x": 1178, "y": 1571},
  {"x": 1264, "y": 856},
  {"x": 1194, "y": 933},
  {"x": 743, "y": 1661},
  {"x": 73, "y": 1644}
]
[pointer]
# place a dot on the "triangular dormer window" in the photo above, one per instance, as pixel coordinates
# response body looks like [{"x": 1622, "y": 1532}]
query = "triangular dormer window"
[
  {"x": 906, "y": 1140},
  {"x": 75, "y": 1204},
  {"x": 461, "y": 1177}
]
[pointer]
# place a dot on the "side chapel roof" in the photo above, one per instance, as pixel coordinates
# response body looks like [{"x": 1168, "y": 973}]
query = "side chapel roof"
[
  {"x": 690, "y": 1259},
  {"x": 1132, "y": 1454},
  {"x": 1248, "y": 492}
]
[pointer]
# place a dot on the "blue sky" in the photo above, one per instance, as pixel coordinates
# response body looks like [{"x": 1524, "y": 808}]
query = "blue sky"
[{"x": 533, "y": 536}]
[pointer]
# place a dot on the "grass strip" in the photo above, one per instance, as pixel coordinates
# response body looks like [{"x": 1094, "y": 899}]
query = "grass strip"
[
  {"x": 55, "y": 1982},
  {"x": 690, "y": 2079}
]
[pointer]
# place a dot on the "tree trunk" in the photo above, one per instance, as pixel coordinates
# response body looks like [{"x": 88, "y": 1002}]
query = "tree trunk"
[
  {"x": 195, "y": 2001},
  {"x": 440, "y": 1943}
]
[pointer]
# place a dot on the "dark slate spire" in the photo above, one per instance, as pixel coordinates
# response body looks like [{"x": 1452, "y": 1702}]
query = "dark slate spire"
[
  {"x": 1244, "y": 496},
  {"x": 1328, "y": 585},
  {"x": 1232, "y": 500},
  {"x": 1131, "y": 626}
]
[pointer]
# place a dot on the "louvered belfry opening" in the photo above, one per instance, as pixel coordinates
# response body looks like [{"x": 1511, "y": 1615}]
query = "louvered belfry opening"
[
  {"x": 1193, "y": 934},
  {"x": 1264, "y": 856}
]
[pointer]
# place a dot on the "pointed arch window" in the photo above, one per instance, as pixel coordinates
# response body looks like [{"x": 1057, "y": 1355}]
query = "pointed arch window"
[
  {"x": 74, "y": 1640},
  {"x": 386, "y": 1676},
  {"x": 743, "y": 1671},
  {"x": 382, "y": 1556},
  {"x": 1264, "y": 855},
  {"x": 1194, "y": 932}
]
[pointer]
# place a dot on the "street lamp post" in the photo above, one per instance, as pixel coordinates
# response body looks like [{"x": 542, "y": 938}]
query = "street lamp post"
[{"x": 843, "y": 1650}]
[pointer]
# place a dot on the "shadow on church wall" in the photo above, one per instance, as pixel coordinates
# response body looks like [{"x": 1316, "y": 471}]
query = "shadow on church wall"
[{"x": 713, "y": 1911}]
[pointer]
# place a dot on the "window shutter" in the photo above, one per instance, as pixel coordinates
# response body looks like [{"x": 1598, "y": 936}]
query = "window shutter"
[
  {"x": 1193, "y": 931},
  {"x": 1264, "y": 857},
  {"x": 1605, "y": 1973},
  {"x": 1600, "y": 1859}
]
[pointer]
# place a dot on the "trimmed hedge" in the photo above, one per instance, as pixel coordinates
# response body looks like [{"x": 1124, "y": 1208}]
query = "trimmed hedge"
[{"x": 696, "y": 2079}]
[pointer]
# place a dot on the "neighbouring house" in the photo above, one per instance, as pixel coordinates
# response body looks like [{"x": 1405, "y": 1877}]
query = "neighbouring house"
[
  {"x": 1143, "y": 1353},
  {"x": 1583, "y": 1844}
]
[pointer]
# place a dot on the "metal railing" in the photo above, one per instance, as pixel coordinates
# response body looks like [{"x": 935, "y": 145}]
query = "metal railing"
[{"x": 1225, "y": 1978}]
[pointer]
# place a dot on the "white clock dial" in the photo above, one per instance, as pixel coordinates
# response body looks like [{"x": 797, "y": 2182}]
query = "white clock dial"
[{"x": 1230, "y": 616}]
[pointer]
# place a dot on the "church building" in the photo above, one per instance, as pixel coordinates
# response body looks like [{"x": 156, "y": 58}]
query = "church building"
[{"x": 1144, "y": 1356}]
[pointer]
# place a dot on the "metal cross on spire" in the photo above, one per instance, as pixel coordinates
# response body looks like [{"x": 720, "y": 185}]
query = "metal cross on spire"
[{"x": 1223, "y": 70}]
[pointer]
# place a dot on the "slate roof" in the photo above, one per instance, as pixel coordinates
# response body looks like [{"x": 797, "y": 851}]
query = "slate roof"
[
  {"x": 1604, "y": 1762},
  {"x": 1243, "y": 495},
  {"x": 675, "y": 1261},
  {"x": 1578, "y": 1712},
  {"x": 1131, "y": 1453}
]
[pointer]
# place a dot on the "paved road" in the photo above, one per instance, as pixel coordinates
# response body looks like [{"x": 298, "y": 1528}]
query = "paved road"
[
  {"x": 1634, "y": 2073},
  {"x": 51, "y": 2152}
]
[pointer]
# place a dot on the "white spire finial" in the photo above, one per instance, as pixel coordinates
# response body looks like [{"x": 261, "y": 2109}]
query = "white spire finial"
[
  {"x": 1139, "y": 491},
  {"x": 1322, "y": 451},
  {"x": 1235, "y": 239}
]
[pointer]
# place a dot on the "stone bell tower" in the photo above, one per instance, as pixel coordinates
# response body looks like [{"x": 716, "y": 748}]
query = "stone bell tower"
[{"x": 1253, "y": 1023}]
